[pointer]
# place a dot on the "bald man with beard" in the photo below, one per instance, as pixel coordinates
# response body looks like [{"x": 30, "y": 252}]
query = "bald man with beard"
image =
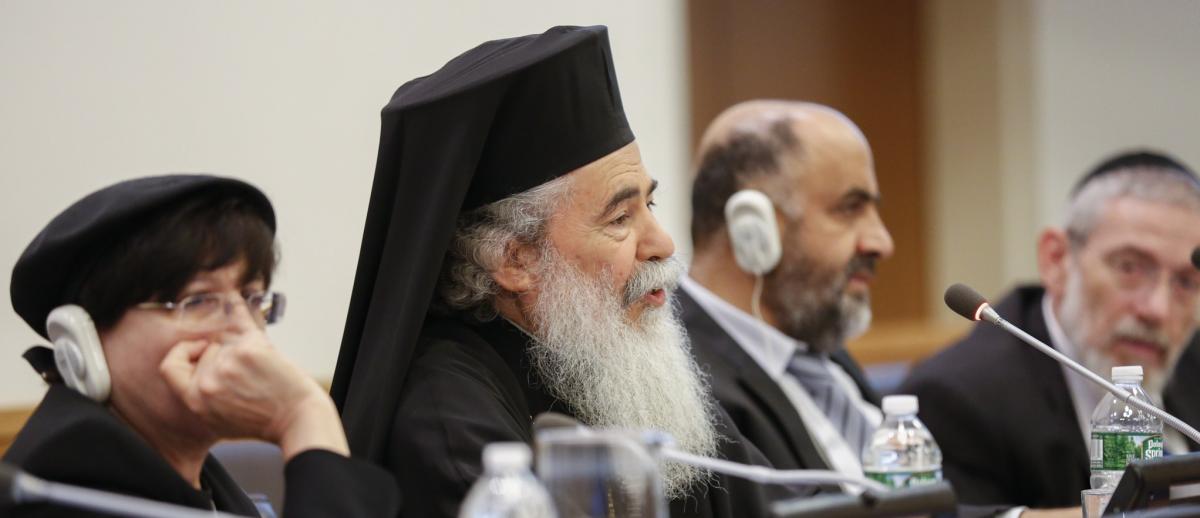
[
  {"x": 773, "y": 344},
  {"x": 777, "y": 359}
]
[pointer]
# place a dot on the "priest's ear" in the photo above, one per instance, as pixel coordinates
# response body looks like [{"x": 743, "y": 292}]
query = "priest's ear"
[
  {"x": 516, "y": 271},
  {"x": 1053, "y": 257}
]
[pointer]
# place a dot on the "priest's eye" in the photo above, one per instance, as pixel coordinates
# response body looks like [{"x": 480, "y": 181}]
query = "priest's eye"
[
  {"x": 621, "y": 220},
  {"x": 650, "y": 205}
]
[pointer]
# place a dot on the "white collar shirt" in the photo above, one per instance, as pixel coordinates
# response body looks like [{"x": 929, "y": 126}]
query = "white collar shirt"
[
  {"x": 1085, "y": 395},
  {"x": 772, "y": 351}
]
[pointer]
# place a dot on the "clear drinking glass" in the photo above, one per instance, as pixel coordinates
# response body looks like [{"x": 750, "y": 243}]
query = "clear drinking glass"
[
  {"x": 1094, "y": 501},
  {"x": 600, "y": 473}
]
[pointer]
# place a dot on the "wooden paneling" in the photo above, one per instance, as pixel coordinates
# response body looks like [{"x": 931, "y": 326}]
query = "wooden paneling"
[
  {"x": 905, "y": 341},
  {"x": 861, "y": 57},
  {"x": 11, "y": 421}
]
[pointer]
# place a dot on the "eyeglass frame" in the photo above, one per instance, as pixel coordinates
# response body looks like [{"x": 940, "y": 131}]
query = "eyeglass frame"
[{"x": 271, "y": 307}]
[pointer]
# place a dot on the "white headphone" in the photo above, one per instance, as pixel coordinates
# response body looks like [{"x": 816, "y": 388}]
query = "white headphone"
[
  {"x": 753, "y": 232},
  {"x": 77, "y": 352}
]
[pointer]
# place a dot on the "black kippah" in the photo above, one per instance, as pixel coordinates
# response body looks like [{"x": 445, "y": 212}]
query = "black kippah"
[{"x": 1140, "y": 159}]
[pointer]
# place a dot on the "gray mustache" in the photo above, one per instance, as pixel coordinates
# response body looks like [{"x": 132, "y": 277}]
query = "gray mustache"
[
  {"x": 864, "y": 262},
  {"x": 654, "y": 275},
  {"x": 1138, "y": 331}
]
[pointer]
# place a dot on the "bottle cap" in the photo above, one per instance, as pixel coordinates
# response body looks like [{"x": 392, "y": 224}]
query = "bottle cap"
[
  {"x": 502, "y": 456},
  {"x": 899, "y": 405},
  {"x": 1127, "y": 372}
]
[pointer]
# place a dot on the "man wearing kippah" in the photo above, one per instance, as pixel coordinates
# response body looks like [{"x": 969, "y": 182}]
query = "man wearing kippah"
[
  {"x": 512, "y": 265},
  {"x": 1117, "y": 289}
]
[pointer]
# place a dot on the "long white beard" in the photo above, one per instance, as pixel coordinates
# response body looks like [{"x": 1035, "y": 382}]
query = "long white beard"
[{"x": 618, "y": 374}]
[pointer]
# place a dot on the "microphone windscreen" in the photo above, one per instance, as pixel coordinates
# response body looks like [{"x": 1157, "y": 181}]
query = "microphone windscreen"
[
  {"x": 553, "y": 420},
  {"x": 964, "y": 301},
  {"x": 1196, "y": 257}
]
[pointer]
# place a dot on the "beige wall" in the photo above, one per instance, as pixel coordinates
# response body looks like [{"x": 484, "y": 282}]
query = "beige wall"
[
  {"x": 1023, "y": 96},
  {"x": 285, "y": 94},
  {"x": 1026, "y": 96},
  {"x": 1112, "y": 75}
]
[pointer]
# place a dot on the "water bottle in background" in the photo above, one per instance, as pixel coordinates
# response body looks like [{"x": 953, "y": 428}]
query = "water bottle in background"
[
  {"x": 902, "y": 452},
  {"x": 507, "y": 488},
  {"x": 1122, "y": 432}
]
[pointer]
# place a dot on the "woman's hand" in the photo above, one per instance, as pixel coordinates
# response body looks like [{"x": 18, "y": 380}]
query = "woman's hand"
[{"x": 245, "y": 388}]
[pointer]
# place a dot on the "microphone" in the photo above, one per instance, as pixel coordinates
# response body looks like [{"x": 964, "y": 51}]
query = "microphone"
[
  {"x": 554, "y": 421},
  {"x": 1196, "y": 257},
  {"x": 969, "y": 304},
  {"x": 18, "y": 487},
  {"x": 973, "y": 306},
  {"x": 663, "y": 447}
]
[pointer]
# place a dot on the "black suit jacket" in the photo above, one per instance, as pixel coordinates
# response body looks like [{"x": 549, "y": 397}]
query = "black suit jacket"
[
  {"x": 73, "y": 440},
  {"x": 1003, "y": 416},
  {"x": 758, "y": 406}
]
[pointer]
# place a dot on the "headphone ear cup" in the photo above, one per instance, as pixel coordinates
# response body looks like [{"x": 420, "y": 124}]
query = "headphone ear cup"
[
  {"x": 753, "y": 231},
  {"x": 77, "y": 352}
]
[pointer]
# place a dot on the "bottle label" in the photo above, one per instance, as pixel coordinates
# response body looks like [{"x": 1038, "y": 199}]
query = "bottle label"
[
  {"x": 1113, "y": 450},
  {"x": 902, "y": 479}
]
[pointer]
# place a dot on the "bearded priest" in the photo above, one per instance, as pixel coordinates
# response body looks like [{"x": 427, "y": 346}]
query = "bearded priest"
[{"x": 512, "y": 265}]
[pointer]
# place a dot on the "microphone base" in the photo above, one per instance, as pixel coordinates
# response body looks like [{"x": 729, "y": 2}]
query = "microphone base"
[{"x": 932, "y": 499}]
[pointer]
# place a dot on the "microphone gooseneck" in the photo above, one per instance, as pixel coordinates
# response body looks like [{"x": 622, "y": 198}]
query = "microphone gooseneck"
[
  {"x": 963, "y": 297},
  {"x": 765, "y": 475},
  {"x": 18, "y": 487},
  {"x": 661, "y": 445}
]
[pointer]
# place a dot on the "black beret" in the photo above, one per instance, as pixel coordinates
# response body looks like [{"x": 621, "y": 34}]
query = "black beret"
[{"x": 58, "y": 260}]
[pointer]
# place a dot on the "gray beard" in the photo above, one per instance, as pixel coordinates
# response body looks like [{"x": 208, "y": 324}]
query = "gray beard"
[
  {"x": 811, "y": 305},
  {"x": 1076, "y": 319},
  {"x": 621, "y": 375}
]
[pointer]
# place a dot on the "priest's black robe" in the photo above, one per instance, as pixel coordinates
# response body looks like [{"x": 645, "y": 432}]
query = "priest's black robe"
[
  {"x": 470, "y": 385},
  {"x": 73, "y": 440}
]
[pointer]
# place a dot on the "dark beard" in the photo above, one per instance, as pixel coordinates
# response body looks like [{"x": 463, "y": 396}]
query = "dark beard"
[{"x": 810, "y": 303}]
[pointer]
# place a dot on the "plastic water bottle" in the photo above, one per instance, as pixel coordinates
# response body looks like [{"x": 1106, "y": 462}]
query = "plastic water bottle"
[
  {"x": 902, "y": 452},
  {"x": 1122, "y": 432},
  {"x": 507, "y": 488}
]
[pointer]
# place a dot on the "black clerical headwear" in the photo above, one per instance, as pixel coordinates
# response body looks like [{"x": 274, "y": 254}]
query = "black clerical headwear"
[
  {"x": 1139, "y": 159},
  {"x": 59, "y": 259},
  {"x": 502, "y": 118}
]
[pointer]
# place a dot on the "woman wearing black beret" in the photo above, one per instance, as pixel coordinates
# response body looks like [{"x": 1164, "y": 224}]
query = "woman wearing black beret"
[{"x": 155, "y": 293}]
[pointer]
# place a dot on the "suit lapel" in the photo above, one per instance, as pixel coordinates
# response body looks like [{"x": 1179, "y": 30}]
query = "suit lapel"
[
  {"x": 751, "y": 378},
  {"x": 1047, "y": 373}
]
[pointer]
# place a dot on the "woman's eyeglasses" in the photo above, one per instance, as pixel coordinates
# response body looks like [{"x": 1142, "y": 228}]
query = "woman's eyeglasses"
[{"x": 203, "y": 309}]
